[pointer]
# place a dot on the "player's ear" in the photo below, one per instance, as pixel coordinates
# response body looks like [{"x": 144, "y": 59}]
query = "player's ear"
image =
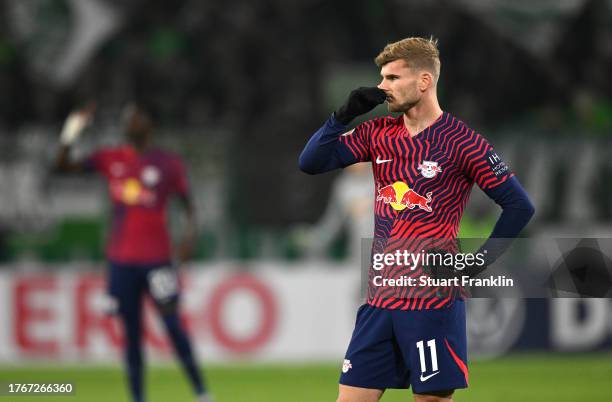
[{"x": 426, "y": 81}]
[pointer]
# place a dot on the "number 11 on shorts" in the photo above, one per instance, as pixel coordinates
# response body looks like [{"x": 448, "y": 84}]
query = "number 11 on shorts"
[{"x": 431, "y": 344}]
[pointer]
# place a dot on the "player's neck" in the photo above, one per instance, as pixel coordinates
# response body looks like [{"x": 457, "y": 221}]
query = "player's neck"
[
  {"x": 422, "y": 115},
  {"x": 140, "y": 148}
]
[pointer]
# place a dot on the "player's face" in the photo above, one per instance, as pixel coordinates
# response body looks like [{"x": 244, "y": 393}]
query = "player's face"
[
  {"x": 400, "y": 83},
  {"x": 138, "y": 129}
]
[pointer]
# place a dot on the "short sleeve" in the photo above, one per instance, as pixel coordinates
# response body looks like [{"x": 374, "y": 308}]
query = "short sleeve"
[
  {"x": 481, "y": 164},
  {"x": 357, "y": 144}
]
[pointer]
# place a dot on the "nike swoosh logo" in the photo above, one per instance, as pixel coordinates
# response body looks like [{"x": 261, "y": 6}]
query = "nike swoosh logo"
[
  {"x": 379, "y": 161},
  {"x": 423, "y": 379}
]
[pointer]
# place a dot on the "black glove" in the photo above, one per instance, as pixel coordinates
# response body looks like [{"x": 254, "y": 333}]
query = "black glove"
[{"x": 360, "y": 101}]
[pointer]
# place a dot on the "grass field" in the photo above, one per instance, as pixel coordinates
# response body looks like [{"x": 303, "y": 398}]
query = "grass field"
[{"x": 538, "y": 378}]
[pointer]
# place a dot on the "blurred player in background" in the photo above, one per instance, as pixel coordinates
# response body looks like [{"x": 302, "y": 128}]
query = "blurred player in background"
[
  {"x": 424, "y": 163},
  {"x": 141, "y": 179}
]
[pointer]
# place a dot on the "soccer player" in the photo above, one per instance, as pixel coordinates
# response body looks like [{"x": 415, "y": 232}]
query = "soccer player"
[
  {"x": 424, "y": 164},
  {"x": 141, "y": 179}
]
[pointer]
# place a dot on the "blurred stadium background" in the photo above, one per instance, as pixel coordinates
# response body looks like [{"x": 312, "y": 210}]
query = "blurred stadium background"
[{"x": 237, "y": 87}]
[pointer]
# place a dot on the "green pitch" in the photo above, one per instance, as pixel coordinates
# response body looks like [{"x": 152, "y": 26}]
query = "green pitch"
[{"x": 522, "y": 378}]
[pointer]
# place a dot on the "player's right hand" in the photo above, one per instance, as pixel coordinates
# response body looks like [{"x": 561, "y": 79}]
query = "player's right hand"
[
  {"x": 74, "y": 125},
  {"x": 360, "y": 101}
]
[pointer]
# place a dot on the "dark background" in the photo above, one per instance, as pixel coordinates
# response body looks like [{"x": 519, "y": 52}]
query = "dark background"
[{"x": 237, "y": 87}]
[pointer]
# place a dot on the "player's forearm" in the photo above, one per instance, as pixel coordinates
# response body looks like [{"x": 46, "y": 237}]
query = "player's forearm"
[
  {"x": 188, "y": 241},
  {"x": 189, "y": 211},
  {"x": 190, "y": 230},
  {"x": 512, "y": 221},
  {"x": 63, "y": 161},
  {"x": 517, "y": 210},
  {"x": 321, "y": 152},
  {"x": 324, "y": 152}
]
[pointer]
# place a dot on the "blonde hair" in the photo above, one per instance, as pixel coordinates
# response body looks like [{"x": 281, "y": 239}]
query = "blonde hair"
[{"x": 419, "y": 53}]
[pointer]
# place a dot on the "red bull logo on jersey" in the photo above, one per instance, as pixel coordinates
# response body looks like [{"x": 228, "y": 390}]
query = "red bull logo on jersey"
[
  {"x": 400, "y": 197},
  {"x": 131, "y": 192}
]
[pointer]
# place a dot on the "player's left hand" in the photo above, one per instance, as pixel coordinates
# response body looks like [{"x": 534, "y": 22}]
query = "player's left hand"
[{"x": 360, "y": 101}]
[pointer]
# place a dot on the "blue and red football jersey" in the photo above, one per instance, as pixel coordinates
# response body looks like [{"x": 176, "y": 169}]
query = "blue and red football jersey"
[
  {"x": 139, "y": 187},
  {"x": 422, "y": 185}
]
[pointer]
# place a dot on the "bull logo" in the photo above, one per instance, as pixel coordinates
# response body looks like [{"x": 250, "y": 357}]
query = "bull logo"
[
  {"x": 429, "y": 169},
  {"x": 400, "y": 197}
]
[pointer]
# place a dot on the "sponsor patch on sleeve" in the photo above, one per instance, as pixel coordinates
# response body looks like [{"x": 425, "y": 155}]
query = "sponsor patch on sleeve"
[{"x": 498, "y": 166}]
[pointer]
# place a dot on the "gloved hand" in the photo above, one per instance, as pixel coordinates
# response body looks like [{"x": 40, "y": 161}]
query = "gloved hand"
[
  {"x": 74, "y": 125},
  {"x": 360, "y": 101}
]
